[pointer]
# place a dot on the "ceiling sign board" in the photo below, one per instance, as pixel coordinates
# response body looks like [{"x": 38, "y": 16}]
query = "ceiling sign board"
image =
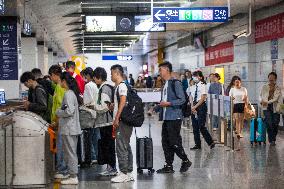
[
  {"x": 179, "y": 15},
  {"x": 119, "y": 57},
  {"x": 8, "y": 48}
]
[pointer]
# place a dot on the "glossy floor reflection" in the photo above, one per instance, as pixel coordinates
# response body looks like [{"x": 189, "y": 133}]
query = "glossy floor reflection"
[{"x": 251, "y": 167}]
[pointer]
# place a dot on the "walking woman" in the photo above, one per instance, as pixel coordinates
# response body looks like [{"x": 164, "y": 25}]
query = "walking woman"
[
  {"x": 240, "y": 98},
  {"x": 199, "y": 111},
  {"x": 69, "y": 126}
]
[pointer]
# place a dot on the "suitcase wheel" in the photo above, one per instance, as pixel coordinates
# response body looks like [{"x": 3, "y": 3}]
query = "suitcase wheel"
[
  {"x": 139, "y": 171},
  {"x": 151, "y": 171}
]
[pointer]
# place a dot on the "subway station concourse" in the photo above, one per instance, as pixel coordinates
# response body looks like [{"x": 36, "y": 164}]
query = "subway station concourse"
[{"x": 142, "y": 94}]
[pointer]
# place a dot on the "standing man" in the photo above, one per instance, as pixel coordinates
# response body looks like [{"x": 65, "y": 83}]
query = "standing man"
[
  {"x": 123, "y": 131},
  {"x": 170, "y": 112},
  {"x": 270, "y": 100},
  {"x": 70, "y": 67}
]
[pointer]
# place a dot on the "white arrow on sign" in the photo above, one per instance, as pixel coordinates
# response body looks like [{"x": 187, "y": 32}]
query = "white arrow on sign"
[
  {"x": 5, "y": 42},
  {"x": 157, "y": 15}
]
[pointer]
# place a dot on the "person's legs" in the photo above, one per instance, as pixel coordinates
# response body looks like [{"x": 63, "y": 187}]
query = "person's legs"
[
  {"x": 60, "y": 164},
  {"x": 268, "y": 121},
  {"x": 196, "y": 131},
  {"x": 95, "y": 136},
  {"x": 276, "y": 120},
  {"x": 168, "y": 151},
  {"x": 122, "y": 146},
  {"x": 241, "y": 122},
  {"x": 215, "y": 121},
  {"x": 236, "y": 117},
  {"x": 70, "y": 154},
  {"x": 202, "y": 113}
]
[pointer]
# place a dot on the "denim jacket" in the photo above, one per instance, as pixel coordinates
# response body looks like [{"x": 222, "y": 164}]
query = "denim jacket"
[{"x": 177, "y": 99}]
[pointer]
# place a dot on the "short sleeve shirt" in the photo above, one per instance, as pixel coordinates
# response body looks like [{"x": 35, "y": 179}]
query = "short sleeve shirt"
[
  {"x": 121, "y": 89},
  {"x": 238, "y": 94},
  {"x": 201, "y": 90}
]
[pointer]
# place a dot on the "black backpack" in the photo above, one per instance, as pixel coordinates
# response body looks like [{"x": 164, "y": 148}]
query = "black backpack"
[
  {"x": 185, "y": 107},
  {"x": 133, "y": 111}
]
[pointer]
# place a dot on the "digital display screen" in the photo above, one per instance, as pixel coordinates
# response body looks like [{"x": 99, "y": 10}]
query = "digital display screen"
[
  {"x": 100, "y": 23},
  {"x": 145, "y": 24}
]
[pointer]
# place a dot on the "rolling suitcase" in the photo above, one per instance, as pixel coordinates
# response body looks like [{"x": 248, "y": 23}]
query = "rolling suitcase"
[
  {"x": 257, "y": 131},
  {"x": 144, "y": 153},
  {"x": 84, "y": 148}
]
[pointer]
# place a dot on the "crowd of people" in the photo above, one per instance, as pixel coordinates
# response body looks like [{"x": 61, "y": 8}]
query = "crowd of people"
[{"x": 58, "y": 98}]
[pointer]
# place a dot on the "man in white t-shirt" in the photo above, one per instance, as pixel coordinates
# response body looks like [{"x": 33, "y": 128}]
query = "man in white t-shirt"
[{"x": 123, "y": 131}]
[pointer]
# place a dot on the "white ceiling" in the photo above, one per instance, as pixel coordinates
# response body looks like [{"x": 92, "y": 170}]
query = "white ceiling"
[{"x": 49, "y": 14}]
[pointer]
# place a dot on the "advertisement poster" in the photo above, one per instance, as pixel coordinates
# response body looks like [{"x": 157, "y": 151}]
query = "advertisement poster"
[
  {"x": 221, "y": 72},
  {"x": 8, "y": 48},
  {"x": 80, "y": 63}
]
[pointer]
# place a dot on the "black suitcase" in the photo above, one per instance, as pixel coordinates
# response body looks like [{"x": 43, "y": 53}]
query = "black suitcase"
[
  {"x": 84, "y": 148},
  {"x": 144, "y": 153}
]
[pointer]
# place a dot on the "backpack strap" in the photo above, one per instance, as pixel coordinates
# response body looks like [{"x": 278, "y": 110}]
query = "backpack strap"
[{"x": 174, "y": 87}]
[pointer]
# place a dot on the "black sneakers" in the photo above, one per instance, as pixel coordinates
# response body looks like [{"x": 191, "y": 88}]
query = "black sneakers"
[
  {"x": 195, "y": 148},
  {"x": 166, "y": 169},
  {"x": 185, "y": 166},
  {"x": 212, "y": 145}
]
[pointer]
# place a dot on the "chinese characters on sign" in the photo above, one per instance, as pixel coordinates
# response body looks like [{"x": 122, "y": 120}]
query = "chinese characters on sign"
[
  {"x": 171, "y": 15},
  {"x": 269, "y": 28},
  {"x": 221, "y": 53},
  {"x": 8, "y": 48},
  {"x": 274, "y": 49}
]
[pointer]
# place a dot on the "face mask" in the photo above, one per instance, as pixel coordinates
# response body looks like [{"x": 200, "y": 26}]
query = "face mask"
[{"x": 195, "y": 79}]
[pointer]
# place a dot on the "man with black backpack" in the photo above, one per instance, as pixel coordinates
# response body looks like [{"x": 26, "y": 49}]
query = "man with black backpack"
[
  {"x": 170, "y": 108},
  {"x": 38, "y": 101},
  {"x": 123, "y": 131}
]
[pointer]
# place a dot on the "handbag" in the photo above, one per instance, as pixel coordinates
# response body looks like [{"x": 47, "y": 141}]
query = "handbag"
[
  {"x": 249, "y": 112},
  {"x": 87, "y": 117}
]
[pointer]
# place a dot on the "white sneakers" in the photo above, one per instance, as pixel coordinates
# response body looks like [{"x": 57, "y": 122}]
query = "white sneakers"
[
  {"x": 109, "y": 172},
  {"x": 70, "y": 181},
  {"x": 61, "y": 176},
  {"x": 121, "y": 177}
]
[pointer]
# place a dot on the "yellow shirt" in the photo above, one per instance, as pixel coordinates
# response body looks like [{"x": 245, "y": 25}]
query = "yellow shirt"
[{"x": 57, "y": 101}]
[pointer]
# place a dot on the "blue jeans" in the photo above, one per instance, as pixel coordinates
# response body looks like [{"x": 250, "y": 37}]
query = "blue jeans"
[
  {"x": 95, "y": 136},
  {"x": 60, "y": 164}
]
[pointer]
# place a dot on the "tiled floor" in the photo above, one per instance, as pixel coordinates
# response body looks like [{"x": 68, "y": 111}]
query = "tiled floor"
[{"x": 251, "y": 167}]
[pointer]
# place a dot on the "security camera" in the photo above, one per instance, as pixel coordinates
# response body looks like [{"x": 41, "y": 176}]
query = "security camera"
[{"x": 239, "y": 34}]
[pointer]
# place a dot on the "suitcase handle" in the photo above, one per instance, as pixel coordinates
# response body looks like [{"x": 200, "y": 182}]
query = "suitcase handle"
[{"x": 149, "y": 129}]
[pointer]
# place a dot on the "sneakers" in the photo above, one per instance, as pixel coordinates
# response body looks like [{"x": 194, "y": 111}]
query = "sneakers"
[
  {"x": 130, "y": 176},
  {"x": 70, "y": 181},
  {"x": 109, "y": 172},
  {"x": 61, "y": 176},
  {"x": 214, "y": 129},
  {"x": 185, "y": 166},
  {"x": 195, "y": 148},
  {"x": 94, "y": 162},
  {"x": 120, "y": 178},
  {"x": 241, "y": 136},
  {"x": 166, "y": 169}
]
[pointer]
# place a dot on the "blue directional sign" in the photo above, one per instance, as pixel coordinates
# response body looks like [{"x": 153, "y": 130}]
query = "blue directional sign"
[
  {"x": 179, "y": 15},
  {"x": 119, "y": 57},
  {"x": 8, "y": 48}
]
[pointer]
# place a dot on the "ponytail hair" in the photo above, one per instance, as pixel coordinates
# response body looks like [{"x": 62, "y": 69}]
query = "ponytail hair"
[
  {"x": 199, "y": 74},
  {"x": 72, "y": 84}
]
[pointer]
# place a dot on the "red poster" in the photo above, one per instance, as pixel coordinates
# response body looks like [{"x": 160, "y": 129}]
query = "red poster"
[
  {"x": 218, "y": 54},
  {"x": 269, "y": 28}
]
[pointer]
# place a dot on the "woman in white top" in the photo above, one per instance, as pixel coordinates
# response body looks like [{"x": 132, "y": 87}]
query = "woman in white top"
[
  {"x": 240, "y": 98},
  {"x": 89, "y": 99}
]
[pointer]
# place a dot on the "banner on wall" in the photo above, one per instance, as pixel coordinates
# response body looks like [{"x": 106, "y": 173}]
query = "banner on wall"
[
  {"x": 80, "y": 63},
  {"x": 269, "y": 28},
  {"x": 218, "y": 54}
]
